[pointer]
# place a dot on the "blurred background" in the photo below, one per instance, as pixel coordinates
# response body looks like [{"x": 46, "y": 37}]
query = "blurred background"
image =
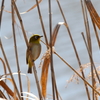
[{"x": 73, "y": 13}]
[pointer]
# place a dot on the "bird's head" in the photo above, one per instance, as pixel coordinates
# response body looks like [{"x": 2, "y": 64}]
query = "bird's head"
[{"x": 35, "y": 38}]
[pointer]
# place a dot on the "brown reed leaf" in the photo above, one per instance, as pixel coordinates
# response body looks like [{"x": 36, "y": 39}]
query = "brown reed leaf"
[
  {"x": 27, "y": 10},
  {"x": 22, "y": 74},
  {"x": 94, "y": 15},
  {"x": 44, "y": 76},
  {"x": 45, "y": 67},
  {"x": 9, "y": 91}
]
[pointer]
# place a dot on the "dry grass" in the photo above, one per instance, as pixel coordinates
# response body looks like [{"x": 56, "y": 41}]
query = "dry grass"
[{"x": 18, "y": 93}]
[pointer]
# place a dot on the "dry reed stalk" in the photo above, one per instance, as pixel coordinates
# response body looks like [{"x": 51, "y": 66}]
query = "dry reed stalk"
[
  {"x": 91, "y": 58},
  {"x": 25, "y": 37},
  {"x": 93, "y": 66},
  {"x": 37, "y": 82},
  {"x": 4, "y": 66},
  {"x": 75, "y": 50},
  {"x": 2, "y": 95},
  {"x": 21, "y": 23},
  {"x": 88, "y": 39},
  {"x": 96, "y": 33},
  {"x": 1, "y": 12},
  {"x": 51, "y": 52},
  {"x": 5, "y": 54},
  {"x": 42, "y": 24},
  {"x": 5, "y": 70},
  {"x": 90, "y": 50},
  {"x": 86, "y": 22},
  {"x": 15, "y": 46},
  {"x": 15, "y": 86}
]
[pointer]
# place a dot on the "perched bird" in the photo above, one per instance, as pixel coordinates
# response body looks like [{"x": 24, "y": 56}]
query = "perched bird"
[{"x": 34, "y": 47}]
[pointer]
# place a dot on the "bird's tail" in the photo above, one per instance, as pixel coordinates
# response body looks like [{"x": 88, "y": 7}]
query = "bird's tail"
[
  {"x": 29, "y": 70},
  {"x": 31, "y": 64}
]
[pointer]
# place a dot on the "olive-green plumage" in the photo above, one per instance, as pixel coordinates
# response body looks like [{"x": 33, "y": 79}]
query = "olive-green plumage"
[{"x": 34, "y": 47}]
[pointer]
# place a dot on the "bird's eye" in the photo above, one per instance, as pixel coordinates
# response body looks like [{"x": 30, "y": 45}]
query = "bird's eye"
[{"x": 36, "y": 37}]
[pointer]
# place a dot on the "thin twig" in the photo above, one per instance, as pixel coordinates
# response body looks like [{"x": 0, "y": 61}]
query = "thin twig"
[
  {"x": 92, "y": 66},
  {"x": 91, "y": 58},
  {"x": 41, "y": 21},
  {"x": 96, "y": 33},
  {"x": 21, "y": 23},
  {"x": 2, "y": 95},
  {"x": 37, "y": 82},
  {"x": 15, "y": 45},
  {"x": 77, "y": 73}
]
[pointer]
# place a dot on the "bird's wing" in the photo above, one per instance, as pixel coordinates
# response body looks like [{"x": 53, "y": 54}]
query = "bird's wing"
[
  {"x": 27, "y": 56},
  {"x": 27, "y": 53}
]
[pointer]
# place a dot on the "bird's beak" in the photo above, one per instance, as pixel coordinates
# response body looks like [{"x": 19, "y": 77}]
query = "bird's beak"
[{"x": 41, "y": 36}]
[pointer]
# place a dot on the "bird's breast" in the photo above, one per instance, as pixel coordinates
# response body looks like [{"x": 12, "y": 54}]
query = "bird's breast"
[{"x": 36, "y": 49}]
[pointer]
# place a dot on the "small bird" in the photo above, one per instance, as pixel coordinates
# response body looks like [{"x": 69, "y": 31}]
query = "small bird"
[{"x": 34, "y": 47}]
